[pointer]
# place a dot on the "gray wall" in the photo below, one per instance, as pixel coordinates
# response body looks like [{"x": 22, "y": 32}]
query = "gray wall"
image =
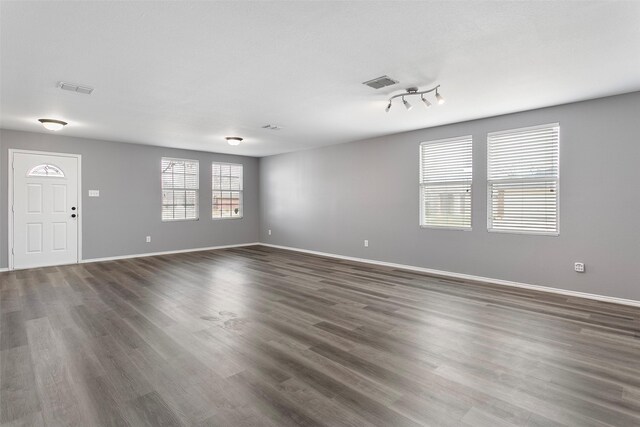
[
  {"x": 128, "y": 209},
  {"x": 330, "y": 199}
]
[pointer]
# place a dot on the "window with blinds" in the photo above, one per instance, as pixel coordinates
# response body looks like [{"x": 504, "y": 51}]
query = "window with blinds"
[
  {"x": 180, "y": 183},
  {"x": 445, "y": 183},
  {"x": 226, "y": 190},
  {"x": 523, "y": 177}
]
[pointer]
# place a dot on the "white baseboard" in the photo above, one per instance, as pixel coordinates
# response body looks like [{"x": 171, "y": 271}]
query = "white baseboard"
[
  {"x": 449, "y": 274},
  {"x": 179, "y": 251},
  {"x": 441, "y": 273}
]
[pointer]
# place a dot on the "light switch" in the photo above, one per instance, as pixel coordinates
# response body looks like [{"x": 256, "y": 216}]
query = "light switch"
[{"x": 94, "y": 193}]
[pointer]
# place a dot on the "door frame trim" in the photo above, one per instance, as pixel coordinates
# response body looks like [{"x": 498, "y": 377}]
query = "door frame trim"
[{"x": 10, "y": 170}]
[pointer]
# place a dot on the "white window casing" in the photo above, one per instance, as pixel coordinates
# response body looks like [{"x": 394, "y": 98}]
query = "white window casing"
[
  {"x": 446, "y": 173},
  {"x": 523, "y": 178},
  {"x": 180, "y": 189},
  {"x": 227, "y": 190}
]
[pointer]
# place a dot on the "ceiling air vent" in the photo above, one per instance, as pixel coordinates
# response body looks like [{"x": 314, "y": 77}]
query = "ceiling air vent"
[
  {"x": 75, "y": 88},
  {"x": 380, "y": 82},
  {"x": 272, "y": 127}
]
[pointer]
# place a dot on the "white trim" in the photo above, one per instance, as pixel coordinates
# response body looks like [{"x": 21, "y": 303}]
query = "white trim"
[
  {"x": 441, "y": 273},
  {"x": 162, "y": 189},
  {"x": 470, "y": 277},
  {"x": 179, "y": 251},
  {"x": 523, "y": 129},
  {"x": 10, "y": 172},
  {"x": 241, "y": 191},
  {"x": 453, "y": 138},
  {"x": 422, "y": 185},
  {"x": 489, "y": 200}
]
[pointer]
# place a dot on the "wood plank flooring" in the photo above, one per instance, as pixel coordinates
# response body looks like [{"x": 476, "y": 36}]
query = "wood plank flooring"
[{"x": 266, "y": 337}]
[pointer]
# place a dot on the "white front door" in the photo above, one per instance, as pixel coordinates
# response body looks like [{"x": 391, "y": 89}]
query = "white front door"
[{"x": 45, "y": 210}]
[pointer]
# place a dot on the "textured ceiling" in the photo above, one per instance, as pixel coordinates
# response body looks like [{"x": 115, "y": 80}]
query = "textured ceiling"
[{"x": 187, "y": 74}]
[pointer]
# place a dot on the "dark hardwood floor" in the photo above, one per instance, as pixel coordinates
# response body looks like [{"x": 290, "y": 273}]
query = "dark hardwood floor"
[{"x": 259, "y": 336}]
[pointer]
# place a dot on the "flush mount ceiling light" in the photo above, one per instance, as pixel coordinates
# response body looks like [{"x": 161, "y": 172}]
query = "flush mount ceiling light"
[
  {"x": 413, "y": 91},
  {"x": 52, "y": 124},
  {"x": 233, "y": 140}
]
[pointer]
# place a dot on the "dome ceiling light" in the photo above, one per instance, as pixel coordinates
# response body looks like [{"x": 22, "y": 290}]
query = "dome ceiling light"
[
  {"x": 52, "y": 124},
  {"x": 233, "y": 140}
]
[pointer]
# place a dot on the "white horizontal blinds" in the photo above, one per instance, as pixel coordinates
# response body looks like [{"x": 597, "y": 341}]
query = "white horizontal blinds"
[
  {"x": 180, "y": 183},
  {"x": 445, "y": 181},
  {"x": 227, "y": 189},
  {"x": 523, "y": 172}
]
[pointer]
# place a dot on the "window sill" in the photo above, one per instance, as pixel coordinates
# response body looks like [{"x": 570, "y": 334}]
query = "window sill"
[
  {"x": 435, "y": 227},
  {"x": 529, "y": 233}
]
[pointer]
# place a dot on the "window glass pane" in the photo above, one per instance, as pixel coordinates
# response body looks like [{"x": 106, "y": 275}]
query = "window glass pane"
[
  {"x": 179, "y": 212},
  {"x": 225, "y": 202},
  {"x": 445, "y": 178},
  {"x": 191, "y": 197},
  {"x": 45, "y": 170},
  {"x": 167, "y": 197},
  {"x": 181, "y": 176},
  {"x": 447, "y": 205},
  {"x": 523, "y": 172}
]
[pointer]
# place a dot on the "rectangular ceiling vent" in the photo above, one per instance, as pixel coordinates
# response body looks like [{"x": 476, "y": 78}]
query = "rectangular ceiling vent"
[
  {"x": 272, "y": 127},
  {"x": 75, "y": 88},
  {"x": 380, "y": 82}
]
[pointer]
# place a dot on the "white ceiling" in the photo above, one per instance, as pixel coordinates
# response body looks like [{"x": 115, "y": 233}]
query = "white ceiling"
[{"x": 187, "y": 74}]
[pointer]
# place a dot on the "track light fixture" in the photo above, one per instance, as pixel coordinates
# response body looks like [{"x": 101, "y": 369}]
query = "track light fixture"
[{"x": 414, "y": 91}]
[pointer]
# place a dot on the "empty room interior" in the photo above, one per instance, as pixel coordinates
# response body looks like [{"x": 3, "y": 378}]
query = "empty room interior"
[{"x": 319, "y": 213}]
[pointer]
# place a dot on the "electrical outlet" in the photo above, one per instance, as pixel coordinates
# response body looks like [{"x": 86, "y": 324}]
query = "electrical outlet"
[
  {"x": 148, "y": 239},
  {"x": 269, "y": 232},
  {"x": 366, "y": 243},
  {"x": 579, "y": 267},
  {"x": 94, "y": 193}
]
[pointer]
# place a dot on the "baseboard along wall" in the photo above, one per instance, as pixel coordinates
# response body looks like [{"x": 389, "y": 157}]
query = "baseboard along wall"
[
  {"x": 430, "y": 271},
  {"x": 469, "y": 277}
]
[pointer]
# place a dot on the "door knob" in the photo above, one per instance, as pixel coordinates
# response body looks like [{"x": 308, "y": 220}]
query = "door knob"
[
  {"x": 73, "y": 208},
  {"x": 73, "y": 215}
]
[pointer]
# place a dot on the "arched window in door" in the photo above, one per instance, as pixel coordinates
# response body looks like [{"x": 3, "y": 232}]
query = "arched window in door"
[{"x": 46, "y": 170}]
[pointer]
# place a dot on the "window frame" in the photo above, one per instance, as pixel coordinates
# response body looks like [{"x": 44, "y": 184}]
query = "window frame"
[
  {"x": 241, "y": 191},
  {"x": 197, "y": 190},
  {"x": 422, "y": 185},
  {"x": 490, "y": 229}
]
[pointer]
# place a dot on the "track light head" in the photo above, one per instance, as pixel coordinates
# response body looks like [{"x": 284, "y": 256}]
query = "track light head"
[
  {"x": 439, "y": 97},
  {"x": 406, "y": 104},
  {"x": 388, "y": 107},
  {"x": 426, "y": 101}
]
